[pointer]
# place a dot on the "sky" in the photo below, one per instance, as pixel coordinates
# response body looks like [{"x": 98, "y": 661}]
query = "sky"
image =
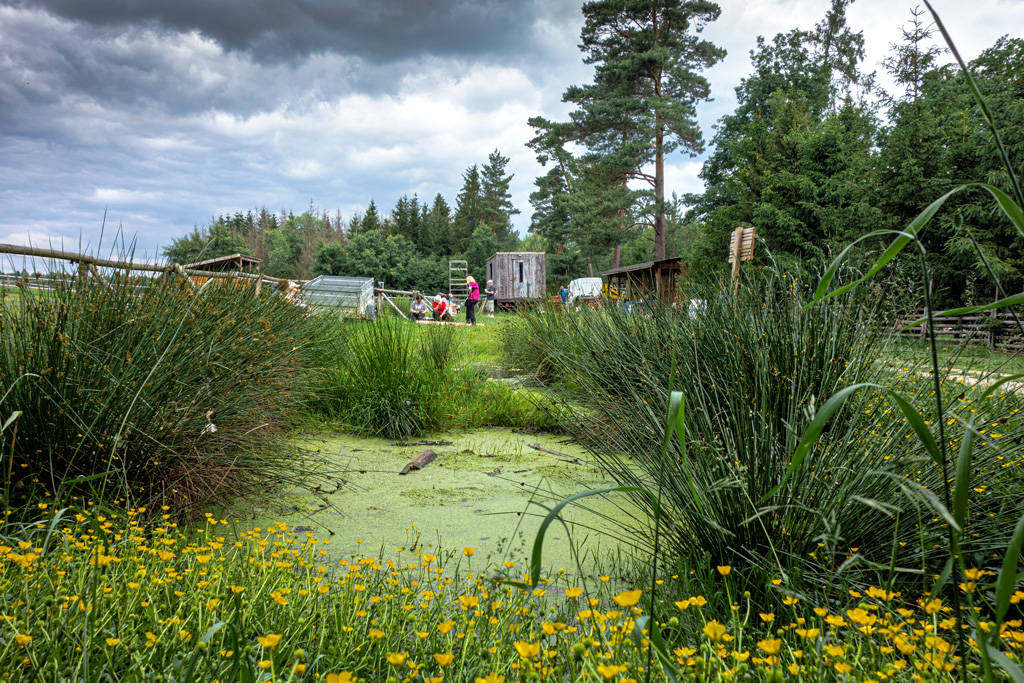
[{"x": 154, "y": 116}]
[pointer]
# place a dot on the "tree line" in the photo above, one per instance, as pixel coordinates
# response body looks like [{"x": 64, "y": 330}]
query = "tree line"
[{"x": 406, "y": 248}]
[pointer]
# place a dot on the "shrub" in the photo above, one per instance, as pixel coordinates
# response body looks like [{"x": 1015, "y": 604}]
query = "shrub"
[
  {"x": 754, "y": 371},
  {"x": 151, "y": 392}
]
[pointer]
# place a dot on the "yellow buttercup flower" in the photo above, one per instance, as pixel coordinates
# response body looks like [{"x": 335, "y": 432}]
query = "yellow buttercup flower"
[
  {"x": 724, "y": 570},
  {"x": 111, "y": 642},
  {"x": 445, "y": 627},
  {"x": 266, "y": 664},
  {"x": 444, "y": 659},
  {"x": 343, "y": 677},
  {"x": 627, "y": 598},
  {"x": 610, "y": 671},
  {"x": 270, "y": 641},
  {"x": 527, "y": 650},
  {"x": 573, "y": 592},
  {"x": 23, "y": 640},
  {"x": 771, "y": 646},
  {"x": 468, "y": 552},
  {"x": 714, "y": 630},
  {"x": 491, "y": 678},
  {"x": 397, "y": 659}
]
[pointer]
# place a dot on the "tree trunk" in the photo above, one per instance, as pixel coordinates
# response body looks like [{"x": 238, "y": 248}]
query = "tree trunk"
[
  {"x": 659, "y": 195},
  {"x": 618, "y": 256},
  {"x": 590, "y": 268}
]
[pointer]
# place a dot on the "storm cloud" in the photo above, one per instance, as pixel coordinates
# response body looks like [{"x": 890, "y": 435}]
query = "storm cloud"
[{"x": 270, "y": 30}]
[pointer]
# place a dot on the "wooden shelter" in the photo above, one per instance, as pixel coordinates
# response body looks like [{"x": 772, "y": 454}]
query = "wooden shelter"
[
  {"x": 654, "y": 279},
  {"x": 222, "y": 264},
  {"x": 518, "y": 275}
]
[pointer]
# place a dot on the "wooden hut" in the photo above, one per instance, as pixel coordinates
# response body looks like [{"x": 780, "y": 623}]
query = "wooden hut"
[
  {"x": 518, "y": 275},
  {"x": 221, "y": 264},
  {"x": 654, "y": 279}
]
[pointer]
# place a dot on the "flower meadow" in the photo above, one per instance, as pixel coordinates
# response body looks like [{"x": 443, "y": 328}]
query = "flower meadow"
[{"x": 128, "y": 597}]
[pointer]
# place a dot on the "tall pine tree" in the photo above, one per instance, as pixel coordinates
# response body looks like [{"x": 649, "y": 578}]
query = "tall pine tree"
[
  {"x": 496, "y": 201},
  {"x": 640, "y": 107}
]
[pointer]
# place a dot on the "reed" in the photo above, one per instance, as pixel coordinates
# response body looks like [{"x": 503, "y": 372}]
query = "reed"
[{"x": 149, "y": 392}]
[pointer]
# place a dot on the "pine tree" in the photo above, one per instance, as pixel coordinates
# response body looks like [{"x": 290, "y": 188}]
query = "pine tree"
[
  {"x": 468, "y": 210},
  {"x": 435, "y": 235},
  {"x": 640, "y": 107},
  {"x": 406, "y": 217},
  {"x": 496, "y": 201}
]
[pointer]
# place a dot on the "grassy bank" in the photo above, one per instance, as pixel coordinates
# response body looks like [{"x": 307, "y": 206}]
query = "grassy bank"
[{"x": 397, "y": 379}]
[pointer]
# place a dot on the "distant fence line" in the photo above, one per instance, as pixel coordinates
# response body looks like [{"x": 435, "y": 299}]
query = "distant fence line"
[
  {"x": 90, "y": 264},
  {"x": 998, "y": 331}
]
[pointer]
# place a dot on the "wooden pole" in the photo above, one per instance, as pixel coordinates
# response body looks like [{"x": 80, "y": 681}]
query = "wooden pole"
[
  {"x": 737, "y": 245},
  {"x": 388, "y": 299}
]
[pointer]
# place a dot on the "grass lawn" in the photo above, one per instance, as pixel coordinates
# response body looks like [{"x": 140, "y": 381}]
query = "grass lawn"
[
  {"x": 975, "y": 358},
  {"x": 482, "y": 341}
]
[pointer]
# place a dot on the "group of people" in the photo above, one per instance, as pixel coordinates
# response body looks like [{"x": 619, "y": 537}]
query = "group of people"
[{"x": 443, "y": 309}]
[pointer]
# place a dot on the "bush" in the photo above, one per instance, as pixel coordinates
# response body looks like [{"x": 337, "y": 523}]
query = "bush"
[
  {"x": 754, "y": 371},
  {"x": 151, "y": 392},
  {"x": 396, "y": 379}
]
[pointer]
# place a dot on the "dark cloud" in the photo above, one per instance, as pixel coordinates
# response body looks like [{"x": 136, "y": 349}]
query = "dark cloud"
[{"x": 273, "y": 30}]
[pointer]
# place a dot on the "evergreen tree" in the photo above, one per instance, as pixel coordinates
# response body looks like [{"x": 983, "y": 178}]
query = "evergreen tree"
[
  {"x": 495, "y": 200},
  {"x": 640, "y": 107},
  {"x": 468, "y": 210},
  {"x": 482, "y": 245},
  {"x": 796, "y": 158},
  {"x": 406, "y": 218},
  {"x": 371, "y": 220},
  {"x": 435, "y": 236}
]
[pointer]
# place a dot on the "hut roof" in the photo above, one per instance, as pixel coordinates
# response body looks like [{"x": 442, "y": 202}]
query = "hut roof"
[
  {"x": 668, "y": 264},
  {"x": 235, "y": 261}
]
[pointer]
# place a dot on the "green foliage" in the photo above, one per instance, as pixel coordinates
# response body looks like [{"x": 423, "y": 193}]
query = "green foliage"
[
  {"x": 199, "y": 245},
  {"x": 150, "y": 392},
  {"x": 755, "y": 372},
  {"x": 641, "y": 106},
  {"x": 396, "y": 379}
]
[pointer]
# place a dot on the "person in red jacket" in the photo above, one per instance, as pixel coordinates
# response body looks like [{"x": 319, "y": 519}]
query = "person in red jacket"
[
  {"x": 438, "y": 305},
  {"x": 472, "y": 299}
]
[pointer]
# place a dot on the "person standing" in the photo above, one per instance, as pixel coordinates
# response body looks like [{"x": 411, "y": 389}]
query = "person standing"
[
  {"x": 563, "y": 294},
  {"x": 472, "y": 299},
  {"x": 492, "y": 292}
]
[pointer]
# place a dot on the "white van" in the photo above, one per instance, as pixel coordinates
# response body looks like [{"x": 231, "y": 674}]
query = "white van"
[{"x": 585, "y": 288}]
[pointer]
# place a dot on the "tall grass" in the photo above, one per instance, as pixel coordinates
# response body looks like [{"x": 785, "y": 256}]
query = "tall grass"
[
  {"x": 754, "y": 372},
  {"x": 396, "y": 379},
  {"x": 153, "y": 395}
]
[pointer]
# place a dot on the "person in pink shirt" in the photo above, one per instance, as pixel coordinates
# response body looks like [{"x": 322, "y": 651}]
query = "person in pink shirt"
[{"x": 472, "y": 299}]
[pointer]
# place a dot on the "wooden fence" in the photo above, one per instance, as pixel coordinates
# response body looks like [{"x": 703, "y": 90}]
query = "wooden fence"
[{"x": 995, "y": 331}]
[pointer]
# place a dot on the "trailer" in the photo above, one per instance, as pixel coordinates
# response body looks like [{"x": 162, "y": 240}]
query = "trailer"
[{"x": 519, "y": 276}]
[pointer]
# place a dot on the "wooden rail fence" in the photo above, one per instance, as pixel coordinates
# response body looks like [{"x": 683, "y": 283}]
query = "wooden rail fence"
[{"x": 995, "y": 331}]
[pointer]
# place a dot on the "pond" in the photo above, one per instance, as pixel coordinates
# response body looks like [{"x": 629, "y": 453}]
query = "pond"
[{"x": 482, "y": 491}]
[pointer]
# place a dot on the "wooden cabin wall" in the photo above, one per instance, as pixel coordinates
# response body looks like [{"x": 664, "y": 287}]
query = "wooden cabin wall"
[{"x": 515, "y": 283}]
